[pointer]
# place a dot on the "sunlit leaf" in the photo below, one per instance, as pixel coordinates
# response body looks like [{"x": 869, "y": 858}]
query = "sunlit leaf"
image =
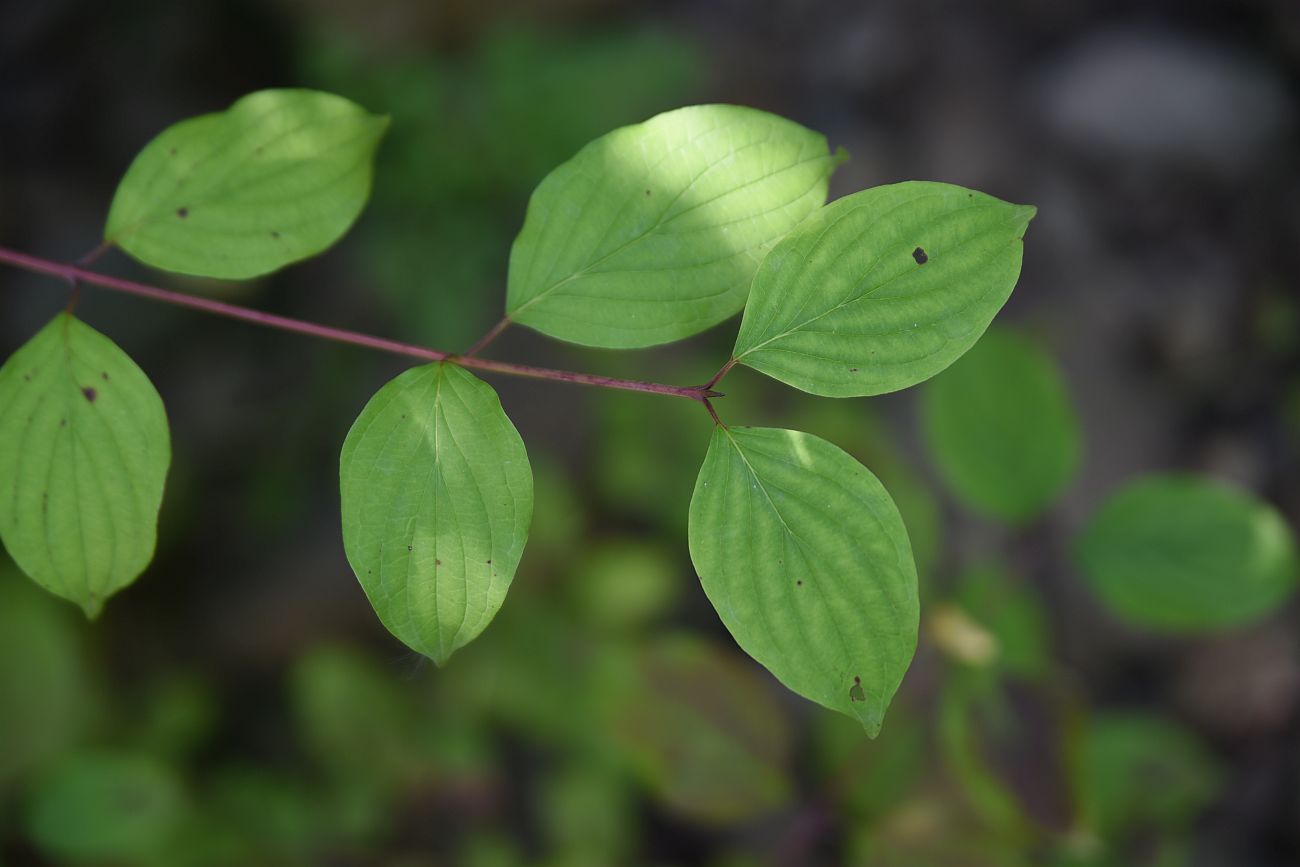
[
  {"x": 805, "y": 557},
  {"x": 703, "y": 732},
  {"x": 653, "y": 231},
  {"x": 437, "y": 496},
  {"x": 1184, "y": 553},
  {"x": 882, "y": 289},
  {"x": 84, "y": 451},
  {"x": 277, "y": 177},
  {"x": 104, "y": 807},
  {"x": 1001, "y": 428}
]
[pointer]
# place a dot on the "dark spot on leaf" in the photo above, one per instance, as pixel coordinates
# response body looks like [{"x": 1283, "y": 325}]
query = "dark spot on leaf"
[
  {"x": 63, "y": 422},
  {"x": 182, "y": 212},
  {"x": 647, "y": 192},
  {"x": 104, "y": 376},
  {"x": 489, "y": 562},
  {"x": 409, "y": 548},
  {"x": 919, "y": 255},
  {"x": 275, "y": 235},
  {"x": 27, "y": 377},
  {"x": 172, "y": 152},
  {"x": 798, "y": 583},
  {"x": 437, "y": 562},
  {"x": 853, "y": 370},
  {"x": 90, "y": 394}
]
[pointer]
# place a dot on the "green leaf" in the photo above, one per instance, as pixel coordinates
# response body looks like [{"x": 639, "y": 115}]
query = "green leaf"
[
  {"x": 84, "y": 450},
  {"x": 1001, "y": 429},
  {"x": 1187, "y": 554},
  {"x": 277, "y": 177},
  {"x": 653, "y": 231},
  {"x": 882, "y": 289},
  {"x": 804, "y": 555},
  {"x": 1141, "y": 771},
  {"x": 437, "y": 496},
  {"x": 104, "y": 807}
]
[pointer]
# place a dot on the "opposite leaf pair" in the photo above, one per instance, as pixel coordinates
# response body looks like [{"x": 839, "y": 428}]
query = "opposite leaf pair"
[
  {"x": 650, "y": 234},
  {"x": 653, "y": 233}
]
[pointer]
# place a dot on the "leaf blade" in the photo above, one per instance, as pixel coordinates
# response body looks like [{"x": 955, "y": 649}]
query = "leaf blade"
[
  {"x": 777, "y": 538},
  {"x": 652, "y": 232},
  {"x": 277, "y": 177},
  {"x": 882, "y": 289},
  {"x": 1181, "y": 553},
  {"x": 1001, "y": 429},
  {"x": 435, "y": 556},
  {"x": 84, "y": 452}
]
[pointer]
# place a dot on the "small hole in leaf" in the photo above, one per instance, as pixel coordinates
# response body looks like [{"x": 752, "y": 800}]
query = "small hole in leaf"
[{"x": 856, "y": 693}]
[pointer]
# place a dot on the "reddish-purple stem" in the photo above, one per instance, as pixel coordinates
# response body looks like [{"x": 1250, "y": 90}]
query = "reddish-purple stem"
[
  {"x": 75, "y": 275},
  {"x": 489, "y": 337},
  {"x": 717, "y": 377}
]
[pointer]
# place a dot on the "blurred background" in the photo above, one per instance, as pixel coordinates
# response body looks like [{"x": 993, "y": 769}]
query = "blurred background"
[{"x": 241, "y": 704}]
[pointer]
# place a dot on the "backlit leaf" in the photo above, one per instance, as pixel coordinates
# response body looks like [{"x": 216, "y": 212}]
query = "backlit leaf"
[
  {"x": 653, "y": 231},
  {"x": 882, "y": 289},
  {"x": 804, "y": 555},
  {"x": 277, "y": 177},
  {"x": 1001, "y": 428},
  {"x": 84, "y": 451},
  {"x": 1184, "y": 553},
  {"x": 437, "y": 496}
]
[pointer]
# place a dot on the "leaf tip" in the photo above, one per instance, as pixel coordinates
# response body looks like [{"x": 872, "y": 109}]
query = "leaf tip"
[
  {"x": 1022, "y": 214},
  {"x": 92, "y": 607}
]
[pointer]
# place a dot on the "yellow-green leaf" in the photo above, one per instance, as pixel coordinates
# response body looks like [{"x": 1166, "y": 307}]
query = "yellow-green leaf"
[
  {"x": 805, "y": 557},
  {"x": 653, "y": 232},
  {"x": 437, "y": 496},
  {"x": 882, "y": 289},
  {"x": 279, "y": 176},
  {"x": 84, "y": 451}
]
